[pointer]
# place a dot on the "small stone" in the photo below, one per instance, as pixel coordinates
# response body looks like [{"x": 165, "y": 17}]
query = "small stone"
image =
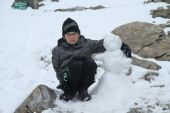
[
  {"x": 164, "y": 109},
  {"x": 136, "y": 103}
]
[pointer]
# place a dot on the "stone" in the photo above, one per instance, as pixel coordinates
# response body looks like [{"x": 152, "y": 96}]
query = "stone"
[
  {"x": 136, "y": 110},
  {"x": 33, "y": 4},
  {"x": 80, "y": 8},
  {"x": 150, "y": 76},
  {"x": 150, "y": 109},
  {"x": 55, "y": 0},
  {"x": 160, "y": 13},
  {"x": 40, "y": 99},
  {"x": 145, "y": 39},
  {"x": 148, "y": 1},
  {"x": 145, "y": 64}
]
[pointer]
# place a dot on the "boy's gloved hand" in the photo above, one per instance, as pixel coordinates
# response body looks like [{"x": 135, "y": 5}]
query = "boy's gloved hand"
[
  {"x": 66, "y": 75},
  {"x": 126, "y": 50},
  {"x": 64, "y": 78}
]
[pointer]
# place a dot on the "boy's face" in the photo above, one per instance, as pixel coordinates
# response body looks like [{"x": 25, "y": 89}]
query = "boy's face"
[{"x": 72, "y": 37}]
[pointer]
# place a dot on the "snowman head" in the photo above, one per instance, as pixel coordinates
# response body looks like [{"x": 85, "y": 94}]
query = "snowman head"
[{"x": 112, "y": 42}]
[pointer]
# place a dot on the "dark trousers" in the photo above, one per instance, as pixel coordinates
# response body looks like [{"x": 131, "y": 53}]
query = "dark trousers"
[{"x": 82, "y": 74}]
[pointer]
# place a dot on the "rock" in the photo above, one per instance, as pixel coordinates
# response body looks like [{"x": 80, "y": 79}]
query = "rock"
[
  {"x": 166, "y": 25},
  {"x": 148, "y": 1},
  {"x": 164, "y": 46},
  {"x": 40, "y": 1},
  {"x": 145, "y": 64},
  {"x": 40, "y": 99},
  {"x": 136, "y": 110},
  {"x": 55, "y": 0},
  {"x": 149, "y": 76},
  {"x": 79, "y": 8},
  {"x": 33, "y": 4},
  {"x": 167, "y": 1},
  {"x": 157, "y": 0},
  {"x": 97, "y": 7},
  {"x": 160, "y": 13},
  {"x": 140, "y": 110},
  {"x": 151, "y": 109},
  {"x": 145, "y": 39},
  {"x": 160, "y": 86}
]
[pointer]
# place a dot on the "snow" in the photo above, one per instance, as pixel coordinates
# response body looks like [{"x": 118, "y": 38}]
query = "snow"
[{"x": 28, "y": 36}]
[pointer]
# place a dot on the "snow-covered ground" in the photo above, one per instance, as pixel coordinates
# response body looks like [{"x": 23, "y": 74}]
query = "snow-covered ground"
[{"x": 28, "y": 36}]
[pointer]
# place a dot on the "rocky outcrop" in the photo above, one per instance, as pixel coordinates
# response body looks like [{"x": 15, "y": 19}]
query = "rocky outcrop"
[
  {"x": 145, "y": 64},
  {"x": 148, "y": 1},
  {"x": 161, "y": 12},
  {"x": 40, "y": 99},
  {"x": 145, "y": 39}
]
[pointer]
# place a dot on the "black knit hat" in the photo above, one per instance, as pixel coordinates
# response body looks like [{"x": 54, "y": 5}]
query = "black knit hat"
[{"x": 70, "y": 25}]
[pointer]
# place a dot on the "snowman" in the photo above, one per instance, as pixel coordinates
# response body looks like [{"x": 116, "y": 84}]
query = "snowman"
[{"x": 113, "y": 85}]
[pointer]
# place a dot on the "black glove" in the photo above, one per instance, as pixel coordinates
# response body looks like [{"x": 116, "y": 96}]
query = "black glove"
[
  {"x": 64, "y": 78},
  {"x": 126, "y": 50},
  {"x": 66, "y": 75}
]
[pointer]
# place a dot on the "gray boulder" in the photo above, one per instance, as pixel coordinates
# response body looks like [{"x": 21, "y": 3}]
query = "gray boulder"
[
  {"x": 145, "y": 64},
  {"x": 160, "y": 12},
  {"x": 40, "y": 99},
  {"x": 145, "y": 39}
]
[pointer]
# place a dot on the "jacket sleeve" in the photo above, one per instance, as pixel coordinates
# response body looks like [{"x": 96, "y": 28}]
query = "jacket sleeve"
[
  {"x": 97, "y": 46},
  {"x": 56, "y": 63}
]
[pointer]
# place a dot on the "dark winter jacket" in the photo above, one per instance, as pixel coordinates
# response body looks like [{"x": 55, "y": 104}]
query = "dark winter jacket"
[{"x": 63, "y": 53}]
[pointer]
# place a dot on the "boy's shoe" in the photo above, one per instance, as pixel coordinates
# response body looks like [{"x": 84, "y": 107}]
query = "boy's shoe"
[
  {"x": 84, "y": 95},
  {"x": 66, "y": 97}
]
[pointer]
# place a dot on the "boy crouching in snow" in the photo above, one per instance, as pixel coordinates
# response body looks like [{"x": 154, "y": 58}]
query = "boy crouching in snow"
[{"x": 73, "y": 63}]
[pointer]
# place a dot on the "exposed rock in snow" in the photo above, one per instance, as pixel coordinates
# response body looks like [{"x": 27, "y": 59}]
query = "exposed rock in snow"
[
  {"x": 145, "y": 39},
  {"x": 145, "y": 64},
  {"x": 40, "y": 99}
]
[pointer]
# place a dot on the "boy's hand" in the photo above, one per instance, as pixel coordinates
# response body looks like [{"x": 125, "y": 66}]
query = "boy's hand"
[
  {"x": 126, "y": 50},
  {"x": 66, "y": 75}
]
